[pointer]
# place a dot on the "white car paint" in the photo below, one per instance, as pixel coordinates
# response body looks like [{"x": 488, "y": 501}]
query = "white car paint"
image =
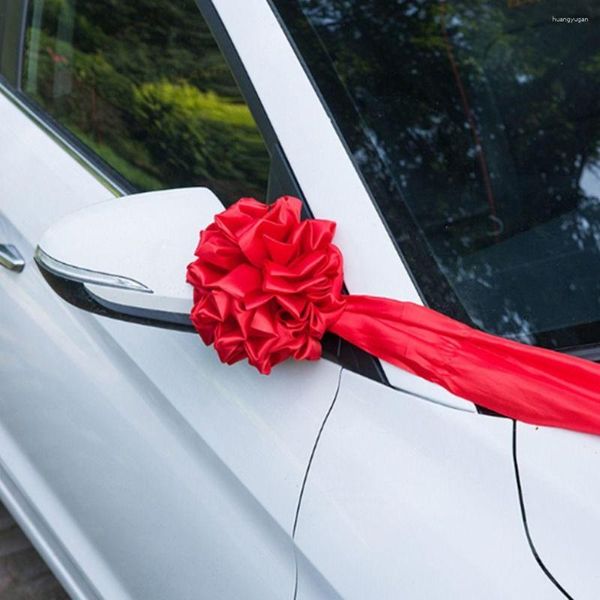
[
  {"x": 560, "y": 478},
  {"x": 133, "y": 441},
  {"x": 407, "y": 499},
  {"x": 137, "y": 239},
  {"x": 313, "y": 146}
]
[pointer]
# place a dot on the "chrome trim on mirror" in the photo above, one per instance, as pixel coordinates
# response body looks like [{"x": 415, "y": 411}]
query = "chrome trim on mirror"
[{"x": 65, "y": 271}]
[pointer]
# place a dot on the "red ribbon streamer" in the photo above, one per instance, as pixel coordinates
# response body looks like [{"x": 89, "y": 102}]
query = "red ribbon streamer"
[{"x": 267, "y": 286}]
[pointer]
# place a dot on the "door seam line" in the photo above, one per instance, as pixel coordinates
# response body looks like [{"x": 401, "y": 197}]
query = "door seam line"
[
  {"x": 313, "y": 452},
  {"x": 536, "y": 555},
  {"x": 305, "y": 479}
]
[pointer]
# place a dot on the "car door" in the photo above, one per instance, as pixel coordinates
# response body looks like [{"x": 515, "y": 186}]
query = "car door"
[
  {"x": 138, "y": 464},
  {"x": 412, "y": 499}
]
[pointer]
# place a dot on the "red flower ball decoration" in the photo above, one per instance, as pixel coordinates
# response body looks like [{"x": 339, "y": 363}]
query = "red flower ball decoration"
[{"x": 266, "y": 285}]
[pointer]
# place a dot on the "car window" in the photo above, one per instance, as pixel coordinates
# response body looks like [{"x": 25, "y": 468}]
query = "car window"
[
  {"x": 144, "y": 86},
  {"x": 476, "y": 127}
]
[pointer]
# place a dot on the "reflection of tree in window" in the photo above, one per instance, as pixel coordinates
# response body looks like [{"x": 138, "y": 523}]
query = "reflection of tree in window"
[
  {"x": 145, "y": 86},
  {"x": 475, "y": 125}
]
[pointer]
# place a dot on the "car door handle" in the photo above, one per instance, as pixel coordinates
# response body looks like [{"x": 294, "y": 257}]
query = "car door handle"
[{"x": 11, "y": 258}]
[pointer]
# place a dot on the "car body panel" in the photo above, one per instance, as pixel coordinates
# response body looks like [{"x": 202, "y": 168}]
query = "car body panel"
[
  {"x": 560, "y": 480},
  {"x": 135, "y": 445},
  {"x": 409, "y": 499}
]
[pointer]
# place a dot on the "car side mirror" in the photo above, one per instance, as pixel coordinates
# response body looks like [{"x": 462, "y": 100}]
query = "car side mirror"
[{"x": 126, "y": 258}]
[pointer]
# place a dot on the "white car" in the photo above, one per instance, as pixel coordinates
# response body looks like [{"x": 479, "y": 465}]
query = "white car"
[{"x": 456, "y": 145}]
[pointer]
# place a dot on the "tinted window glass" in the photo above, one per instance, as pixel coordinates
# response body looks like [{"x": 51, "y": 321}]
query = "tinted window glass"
[
  {"x": 476, "y": 124},
  {"x": 144, "y": 85}
]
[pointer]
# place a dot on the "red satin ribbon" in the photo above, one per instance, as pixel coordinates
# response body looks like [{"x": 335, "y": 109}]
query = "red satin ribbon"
[
  {"x": 523, "y": 382},
  {"x": 267, "y": 286}
]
